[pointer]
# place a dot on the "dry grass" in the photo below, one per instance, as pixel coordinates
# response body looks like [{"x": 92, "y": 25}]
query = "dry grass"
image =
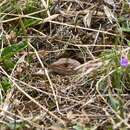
[{"x": 35, "y": 94}]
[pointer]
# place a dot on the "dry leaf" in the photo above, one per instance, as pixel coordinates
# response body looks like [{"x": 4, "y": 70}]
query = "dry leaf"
[
  {"x": 110, "y": 2},
  {"x": 109, "y": 14},
  {"x": 22, "y": 59},
  {"x": 40, "y": 72},
  {"x": 50, "y": 18},
  {"x": 70, "y": 115},
  {"x": 87, "y": 19}
]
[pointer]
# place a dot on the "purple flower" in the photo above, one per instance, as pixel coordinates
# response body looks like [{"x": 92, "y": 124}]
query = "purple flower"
[{"x": 124, "y": 62}]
